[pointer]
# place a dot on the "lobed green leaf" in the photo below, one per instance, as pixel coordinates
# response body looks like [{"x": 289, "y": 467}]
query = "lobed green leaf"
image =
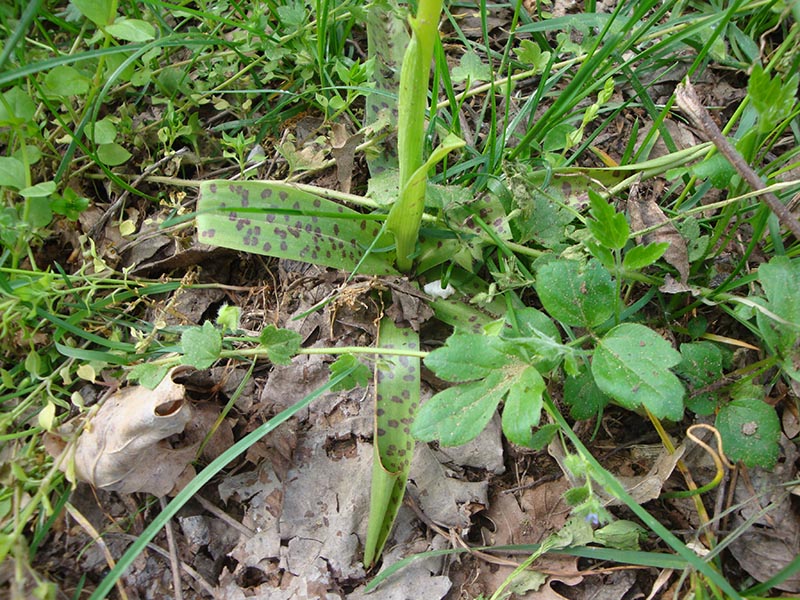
[{"x": 631, "y": 364}]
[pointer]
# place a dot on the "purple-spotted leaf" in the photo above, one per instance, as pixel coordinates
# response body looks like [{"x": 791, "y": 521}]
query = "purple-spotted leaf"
[
  {"x": 397, "y": 388},
  {"x": 631, "y": 364},
  {"x": 523, "y": 407},
  {"x": 276, "y": 219}
]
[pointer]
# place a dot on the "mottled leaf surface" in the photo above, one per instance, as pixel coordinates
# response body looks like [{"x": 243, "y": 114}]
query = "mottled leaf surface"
[{"x": 276, "y": 219}]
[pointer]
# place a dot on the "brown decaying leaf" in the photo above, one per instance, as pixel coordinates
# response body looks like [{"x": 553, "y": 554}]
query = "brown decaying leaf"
[
  {"x": 122, "y": 447},
  {"x": 645, "y": 213},
  {"x": 764, "y": 549}
]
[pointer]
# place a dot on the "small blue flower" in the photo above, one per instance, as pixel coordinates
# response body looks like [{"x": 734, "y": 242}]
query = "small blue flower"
[{"x": 592, "y": 518}]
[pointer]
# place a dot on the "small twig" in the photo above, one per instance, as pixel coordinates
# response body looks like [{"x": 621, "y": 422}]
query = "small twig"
[
  {"x": 97, "y": 228},
  {"x": 690, "y": 104},
  {"x": 174, "y": 562}
]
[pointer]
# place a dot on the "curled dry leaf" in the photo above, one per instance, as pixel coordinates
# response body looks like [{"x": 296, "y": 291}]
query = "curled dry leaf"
[{"x": 123, "y": 447}]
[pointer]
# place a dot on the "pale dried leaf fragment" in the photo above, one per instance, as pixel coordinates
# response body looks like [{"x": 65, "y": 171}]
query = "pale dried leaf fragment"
[
  {"x": 645, "y": 213},
  {"x": 123, "y": 447}
]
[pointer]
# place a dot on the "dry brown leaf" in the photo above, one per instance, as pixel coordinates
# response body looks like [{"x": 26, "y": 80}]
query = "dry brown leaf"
[
  {"x": 645, "y": 213},
  {"x": 773, "y": 541},
  {"x": 122, "y": 447}
]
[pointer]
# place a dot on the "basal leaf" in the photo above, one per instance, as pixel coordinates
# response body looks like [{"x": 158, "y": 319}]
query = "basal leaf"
[
  {"x": 523, "y": 407},
  {"x": 574, "y": 293},
  {"x": 535, "y": 339},
  {"x": 458, "y": 414},
  {"x": 201, "y": 346},
  {"x": 750, "y": 430},
  {"x": 631, "y": 364},
  {"x": 466, "y": 357},
  {"x": 281, "y": 344},
  {"x": 276, "y": 219}
]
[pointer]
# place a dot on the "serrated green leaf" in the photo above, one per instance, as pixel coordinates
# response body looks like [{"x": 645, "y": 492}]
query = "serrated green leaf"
[
  {"x": 640, "y": 257},
  {"x": 631, "y": 364},
  {"x": 535, "y": 339},
  {"x": 576, "y": 294},
  {"x": 148, "y": 374},
  {"x": 470, "y": 67},
  {"x": 458, "y": 414},
  {"x": 700, "y": 366},
  {"x": 228, "y": 317},
  {"x": 201, "y": 346},
  {"x": 585, "y": 399},
  {"x": 523, "y": 407},
  {"x": 359, "y": 377},
  {"x": 131, "y": 30},
  {"x": 281, "y": 344},
  {"x": 750, "y": 431},
  {"x": 609, "y": 227},
  {"x": 772, "y": 98},
  {"x": 276, "y": 219},
  {"x": 530, "y": 53},
  {"x": 466, "y": 357}
]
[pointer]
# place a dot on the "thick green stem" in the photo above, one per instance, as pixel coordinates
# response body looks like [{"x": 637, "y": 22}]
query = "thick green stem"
[{"x": 406, "y": 214}]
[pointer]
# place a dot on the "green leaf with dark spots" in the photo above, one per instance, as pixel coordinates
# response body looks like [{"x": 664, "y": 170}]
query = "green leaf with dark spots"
[
  {"x": 631, "y": 364},
  {"x": 574, "y": 293},
  {"x": 397, "y": 395},
  {"x": 201, "y": 346},
  {"x": 276, "y": 219}
]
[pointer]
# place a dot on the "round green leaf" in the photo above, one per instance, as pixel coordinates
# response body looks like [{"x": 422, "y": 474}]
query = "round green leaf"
[
  {"x": 750, "y": 432},
  {"x": 631, "y": 364},
  {"x": 576, "y": 294},
  {"x": 66, "y": 81}
]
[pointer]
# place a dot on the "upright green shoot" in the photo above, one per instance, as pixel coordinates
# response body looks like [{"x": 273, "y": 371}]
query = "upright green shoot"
[{"x": 406, "y": 214}]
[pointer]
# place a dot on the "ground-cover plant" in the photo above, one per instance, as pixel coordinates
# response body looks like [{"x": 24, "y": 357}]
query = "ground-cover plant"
[{"x": 556, "y": 285}]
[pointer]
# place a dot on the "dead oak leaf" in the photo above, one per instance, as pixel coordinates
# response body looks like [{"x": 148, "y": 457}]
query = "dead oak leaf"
[{"x": 123, "y": 447}]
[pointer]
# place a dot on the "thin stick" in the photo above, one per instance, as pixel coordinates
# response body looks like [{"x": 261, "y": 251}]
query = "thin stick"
[
  {"x": 174, "y": 562},
  {"x": 690, "y": 104}
]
